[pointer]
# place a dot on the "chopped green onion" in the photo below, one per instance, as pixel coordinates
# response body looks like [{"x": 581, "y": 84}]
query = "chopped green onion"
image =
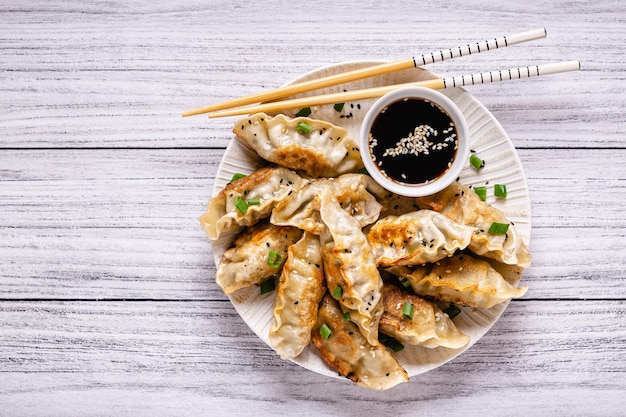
[
  {"x": 241, "y": 205},
  {"x": 395, "y": 345},
  {"x": 304, "y": 127},
  {"x": 325, "y": 331},
  {"x": 274, "y": 259},
  {"x": 238, "y": 175},
  {"x": 337, "y": 292},
  {"x": 363, "y": 171},
  {"x": 304, "y": 112},
  {"x": 338, "y": 107},
  {"x": 346, "y": 316},
  {"x": 452, "y": 311},
  {"x": 405, "y": 282},
  {"x": 498, "y": 228},
  {"x": 482, "y": 192},
  {"x": 390, "y": 342},
  {"x": 476, "y": 161},
  {"x": 268, "y": 285},
  {"x": 407, "y": 310},
  {"x": 499, "y": 190}
]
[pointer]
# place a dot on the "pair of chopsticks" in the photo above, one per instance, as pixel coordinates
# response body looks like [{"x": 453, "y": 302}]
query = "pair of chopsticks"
[{"x": 234, "y": 107}]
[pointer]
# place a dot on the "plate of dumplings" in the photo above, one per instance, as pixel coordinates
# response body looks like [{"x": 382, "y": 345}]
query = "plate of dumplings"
[{"x": 346, "y": 279}]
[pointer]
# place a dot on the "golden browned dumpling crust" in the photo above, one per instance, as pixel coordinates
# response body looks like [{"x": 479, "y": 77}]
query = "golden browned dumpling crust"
[{"x": 347, "y": 351}]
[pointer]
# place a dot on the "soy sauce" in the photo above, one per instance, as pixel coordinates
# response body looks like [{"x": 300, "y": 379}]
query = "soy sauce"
[{"x": 413, "y": 141}]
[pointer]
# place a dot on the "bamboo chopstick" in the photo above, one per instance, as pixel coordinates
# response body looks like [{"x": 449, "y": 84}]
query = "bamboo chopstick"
[
  {"x": 414, "y": 62},
  {"x": 438, "y": 83}
]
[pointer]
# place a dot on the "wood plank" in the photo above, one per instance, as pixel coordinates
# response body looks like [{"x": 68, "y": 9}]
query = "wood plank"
[
  {"x": 139, "y": 358},
  {"x": 76, "y": 75},
  {"x": 110, "y": 187},
  {"x": 106, "y": 224},
  {"x": 123, "y": 223},
  {"x": 81, "y": 222}
]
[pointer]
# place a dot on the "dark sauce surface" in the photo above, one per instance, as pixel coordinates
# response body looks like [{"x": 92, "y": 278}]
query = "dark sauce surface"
[{"x": 413, "y": 141}]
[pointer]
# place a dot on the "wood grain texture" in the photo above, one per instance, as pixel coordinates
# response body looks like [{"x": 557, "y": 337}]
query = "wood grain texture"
[
  {"x": 124, "y": 223},
  {"x": 109, "y": 74},
  {"x": 172, "y": 357},
  {"x": 108, "y": 304}
]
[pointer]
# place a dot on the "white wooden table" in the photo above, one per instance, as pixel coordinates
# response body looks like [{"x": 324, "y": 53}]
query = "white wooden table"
[{"x": 108, "y": 304}]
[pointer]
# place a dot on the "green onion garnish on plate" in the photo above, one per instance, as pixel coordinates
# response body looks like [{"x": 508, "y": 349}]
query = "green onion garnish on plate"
[
  {"x": 476, "y": 161},
  {"x": 304, "y": 112},
  {"x": 237, "y": 175},
  {"x": 499, "y": 190},
  {"x": 452, "y": 311},
  {"x": 337, "y": 292},
  {"x": 390, "y": 342},
  {"x": 274, "y": 259},
  {"x": 407, "y": 310},
  {"x": 304, "y": 127},
  {"x": 498, "y": 228},
  {"x": 481, "y": 192},
  {"x": 268, "y": 285},
  {"x": 325, "y": 331},
  {"x": 241, "y": 205}
]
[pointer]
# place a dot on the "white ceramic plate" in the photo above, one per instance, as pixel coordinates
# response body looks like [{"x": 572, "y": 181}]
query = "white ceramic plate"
[{"x": 489, "y": 140}]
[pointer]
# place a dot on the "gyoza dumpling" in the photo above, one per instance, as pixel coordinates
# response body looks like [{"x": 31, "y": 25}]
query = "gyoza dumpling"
[
  {"x": 298, "y": 293},
  {"x": 349, "y": 264},
  {"x": 246, "y": 262},
  {"x": 352, "y": 191},
  {"x": 462, "y": 280},
  {"x": 430, "y": 327},
  {"x": 349, "y": 353},
  {"x": 416, "y": 238},
  {"x": 316, "y": 147},
  {"x": 462, "y": 205},
  {"x": 247, "y": 200}
]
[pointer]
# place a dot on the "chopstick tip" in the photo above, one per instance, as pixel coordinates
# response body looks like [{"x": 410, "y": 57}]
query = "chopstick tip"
[
  {"x": 191, "y": 113},
  {"x": 200, "y": 110}
]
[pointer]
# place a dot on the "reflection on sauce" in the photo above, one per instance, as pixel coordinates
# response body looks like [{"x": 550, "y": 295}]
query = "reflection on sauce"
[{"x": 413, "y": 141}]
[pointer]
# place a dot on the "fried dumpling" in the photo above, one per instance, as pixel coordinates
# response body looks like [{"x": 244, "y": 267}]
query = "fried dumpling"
[
  {"x": 247, "y": 200},
  {"x": 246, "y": 262},
  {"x": 416, "y": 238},
  {"x": 349, "y": 353},
  {"x": 429, "y": 327},
  {"x": 461, "y": 204},
  {"x": 298, "y": 293},
  {"x": 349, "y": 265},
  {"x": 316, "y": 147},
  {"x": 352, "y": 191},
  {"x": 396, "y": 205},
  {"x": 462, "y": 280}
]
